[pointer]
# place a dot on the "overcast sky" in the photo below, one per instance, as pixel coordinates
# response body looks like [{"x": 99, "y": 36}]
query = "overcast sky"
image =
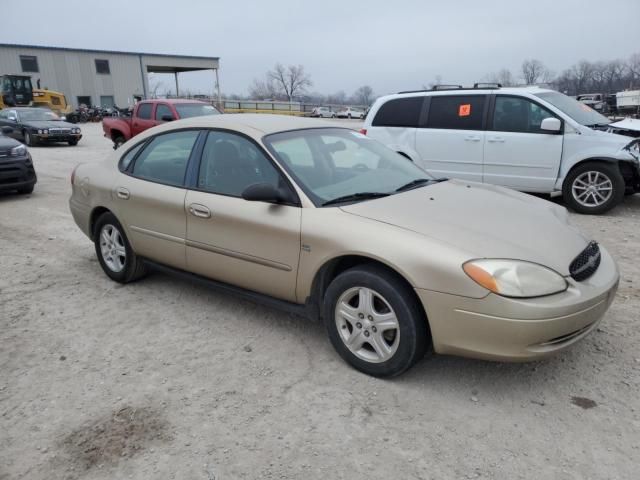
[{"x": 388, "y": 44}]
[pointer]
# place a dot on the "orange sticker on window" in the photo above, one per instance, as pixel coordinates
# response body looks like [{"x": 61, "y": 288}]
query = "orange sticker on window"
[{"x": 464, "y": 110}]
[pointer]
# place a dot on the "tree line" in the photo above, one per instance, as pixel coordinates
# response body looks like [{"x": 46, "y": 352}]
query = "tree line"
[{"x": 607, "y": 77}]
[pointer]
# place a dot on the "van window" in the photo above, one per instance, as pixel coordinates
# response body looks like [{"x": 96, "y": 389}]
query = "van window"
[
  {"x": 517, "y": 114},
  {"x": 399, "y": 112},
  {"x": 456, "y": 112}
]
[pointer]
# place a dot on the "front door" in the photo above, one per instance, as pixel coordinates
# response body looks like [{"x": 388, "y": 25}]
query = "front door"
[
  {"x": 150, "y": 197},
  {"x": 517, "y": 153},
  {"x": 450, "y": 143},
  {"x": 142, "y": 118},
  {"x": 253, "y": 245}
]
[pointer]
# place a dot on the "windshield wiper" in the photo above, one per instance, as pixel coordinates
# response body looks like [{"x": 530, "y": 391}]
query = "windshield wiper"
[
  {"x": 418, "y": 182},
  {"x": 355, "y": 197}
]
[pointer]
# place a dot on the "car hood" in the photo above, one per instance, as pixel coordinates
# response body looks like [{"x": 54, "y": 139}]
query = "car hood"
[
  {"x": 7, "y": 143},
  {"x": 483, "y": 220},
  {"x": 48, "y": 124}
]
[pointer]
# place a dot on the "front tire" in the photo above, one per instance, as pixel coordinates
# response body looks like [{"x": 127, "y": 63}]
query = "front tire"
[
  {"x": 29, "y": 141},
  {"x": 593, "y": 188},
  {"x": 26, "y": 190},
  {"x": 73, "y": 142},
  {"x": 116, "y": 257},
  {"x": 118, "y": 142},
  {"x": 374, "y": 321}
]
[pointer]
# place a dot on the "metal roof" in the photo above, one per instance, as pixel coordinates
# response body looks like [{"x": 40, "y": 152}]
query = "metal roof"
[{"x": 68, "y": 49}]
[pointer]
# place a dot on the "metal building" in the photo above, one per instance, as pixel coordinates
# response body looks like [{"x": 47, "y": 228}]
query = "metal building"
[{"x": 98, "y": 77}]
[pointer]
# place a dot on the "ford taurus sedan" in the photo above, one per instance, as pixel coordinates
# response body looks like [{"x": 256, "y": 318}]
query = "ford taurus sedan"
[{"x": 329, "y": 223}]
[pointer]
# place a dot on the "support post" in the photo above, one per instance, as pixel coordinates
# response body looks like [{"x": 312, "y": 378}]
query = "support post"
[
  {"x": 177, "y": 87},
  {"x": 218, "y": 89}
]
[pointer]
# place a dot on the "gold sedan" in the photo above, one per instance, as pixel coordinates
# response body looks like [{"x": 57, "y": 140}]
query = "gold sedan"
[{"x": 328, "y": 223}]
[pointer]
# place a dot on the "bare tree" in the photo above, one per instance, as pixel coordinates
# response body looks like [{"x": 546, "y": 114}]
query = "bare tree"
[
  {"x": 338, "y": 98},
  {"x": 154, "y": 87},
  {"x": 364, "y": 95},
  {"x": 292, "y": 81},
  {"x": 503, "y": 77},
  {"x": 633, "y": 68},
  {"x": 533, "y": 71},
  {"x": 263, "y": 90}
]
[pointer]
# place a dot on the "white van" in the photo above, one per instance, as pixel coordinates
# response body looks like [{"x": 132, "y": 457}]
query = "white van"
[{"x": 530, "y": 139}]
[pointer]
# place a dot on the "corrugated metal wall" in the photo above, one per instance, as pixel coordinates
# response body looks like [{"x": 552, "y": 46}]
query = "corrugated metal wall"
[{"x": 73, "y": 72}]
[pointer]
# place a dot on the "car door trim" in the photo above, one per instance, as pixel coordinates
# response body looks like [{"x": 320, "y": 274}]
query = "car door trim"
[
  {"x": 238, "y": 255},
  {"x": 152, "y": 233}
]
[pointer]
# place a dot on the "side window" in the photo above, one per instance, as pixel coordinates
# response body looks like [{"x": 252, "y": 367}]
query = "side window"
[
  {"x": 513, "y": 114},
  {"x": 126, "y": 159},
  {"x": 144, "y": 111},
  {"x": 161, "y": 111},
  {"x": 230, "y": 163},
  {"x": 400, "y": 112},
  {"x": 165, "y": 158},
  {"x": 456, "y": 112}
]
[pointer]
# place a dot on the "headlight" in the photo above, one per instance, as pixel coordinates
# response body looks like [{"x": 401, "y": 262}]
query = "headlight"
[
  {"x": 76, "y": 130},
  {"x": 45, "y": 131},
  {"x": 19, "y": 151},
  {"x": 515, "y": 278},
  {"x": 40, "y": 132}
]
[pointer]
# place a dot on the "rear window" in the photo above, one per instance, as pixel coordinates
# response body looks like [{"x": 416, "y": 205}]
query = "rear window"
[
  {"x": 456, "y": 112},
  {"x": 144, "y": 111},
  {"x": 399, "y": 112}
]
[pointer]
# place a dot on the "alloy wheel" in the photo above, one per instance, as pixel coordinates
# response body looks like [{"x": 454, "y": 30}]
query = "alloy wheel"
[
  {"x": 592, "y": 189},
  {"x": 367, "y": 324},
  {"x": 112, "y": 248}
]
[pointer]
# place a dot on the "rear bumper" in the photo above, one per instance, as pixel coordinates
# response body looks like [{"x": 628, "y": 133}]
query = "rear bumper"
[{"x": 507, "y": 329}]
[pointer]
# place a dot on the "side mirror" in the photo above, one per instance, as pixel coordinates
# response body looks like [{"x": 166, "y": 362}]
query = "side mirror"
[
  {"x": 7, "y": 130},
  {"x": 265, "y": 192},
  {"x": 167, "y": 118},
  {"x": 13, "y": 119},
  {"x": 551, "y": 125}
]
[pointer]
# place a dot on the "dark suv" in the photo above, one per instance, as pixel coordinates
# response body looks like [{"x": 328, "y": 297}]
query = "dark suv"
[{"x": 16, "y": 167}]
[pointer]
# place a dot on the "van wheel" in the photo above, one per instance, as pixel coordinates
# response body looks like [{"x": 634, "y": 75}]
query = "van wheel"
[
  {"x": 374, "y": 321},
  {"x": 593, "y": 188},
  {"x": 116, "y": 257}
]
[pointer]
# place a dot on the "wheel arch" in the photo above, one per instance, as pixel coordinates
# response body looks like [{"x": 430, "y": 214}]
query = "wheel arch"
[
  {"x": 93, "y": 218},
  {"x": 336, "y": 265},
  {"x": 601, "y": 159}
]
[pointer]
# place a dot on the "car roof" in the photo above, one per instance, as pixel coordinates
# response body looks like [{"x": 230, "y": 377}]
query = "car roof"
[
  {"x": 172, "y": 101},
  {"x": 533, "y": 89},
  {"x": 253, "y": 124}
]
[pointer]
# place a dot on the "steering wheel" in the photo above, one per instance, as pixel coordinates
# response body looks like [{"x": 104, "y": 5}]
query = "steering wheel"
[{"x": 360, "y": 167}]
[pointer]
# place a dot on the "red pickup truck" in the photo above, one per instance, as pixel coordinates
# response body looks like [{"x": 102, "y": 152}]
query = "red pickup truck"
[{"x": 149, "y": 113}]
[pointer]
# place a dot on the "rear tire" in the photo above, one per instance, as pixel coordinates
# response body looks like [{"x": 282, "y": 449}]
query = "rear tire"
[
  {"x": 116, "y": 257},
  {"x": 382, "y": 336},
  {"x": 593, "y": 188}
]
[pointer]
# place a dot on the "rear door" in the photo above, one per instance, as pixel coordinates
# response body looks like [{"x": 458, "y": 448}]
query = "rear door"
[
  {"x": 253, "y": 245},
  {"x": 150, "y": 193},
  {"x": 451, "y": 136},
  {"x": 142, "y": 118},
  {"x": 517, "y": 153}
]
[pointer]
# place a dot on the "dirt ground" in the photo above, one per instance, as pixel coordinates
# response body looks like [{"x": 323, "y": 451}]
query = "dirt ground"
[{"x": 165, "y": 379}]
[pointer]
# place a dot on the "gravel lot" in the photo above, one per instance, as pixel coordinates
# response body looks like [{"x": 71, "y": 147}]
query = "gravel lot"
[{"x": 165, "y": 379}]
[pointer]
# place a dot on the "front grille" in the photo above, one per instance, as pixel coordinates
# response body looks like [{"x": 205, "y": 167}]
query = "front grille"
[
  {"x": 5, "y": 153},
  {"x": 585, "y": 264},
  {"x": 566, "y": 337},
  {"x": 59, "y": 131}
]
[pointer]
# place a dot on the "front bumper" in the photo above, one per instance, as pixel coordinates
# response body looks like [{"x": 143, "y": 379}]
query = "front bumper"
[
  {"x": 509, "y": 329},
  {"x": 57, "y": 138},
  {"x": 16, "y": 173}
]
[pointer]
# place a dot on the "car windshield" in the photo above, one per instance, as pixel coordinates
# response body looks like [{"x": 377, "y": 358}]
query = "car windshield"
[
  {"x": 332, "y": 163},
  {"x": 37, "y": 114},
  {"x": 187, "y": 110},
  {"x": 581, "y": 113}
]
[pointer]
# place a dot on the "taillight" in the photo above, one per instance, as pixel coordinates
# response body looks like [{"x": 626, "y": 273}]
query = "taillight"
[{"x": 363, "y": 131}]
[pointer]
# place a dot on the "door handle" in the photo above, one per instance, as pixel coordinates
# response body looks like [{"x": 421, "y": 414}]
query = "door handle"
[
  {"x": 122, "y": 193},
  {"x": 199, "y": 210},
  {"x": 472, "y": 138},
  {"x": 496, "y": 140}
]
